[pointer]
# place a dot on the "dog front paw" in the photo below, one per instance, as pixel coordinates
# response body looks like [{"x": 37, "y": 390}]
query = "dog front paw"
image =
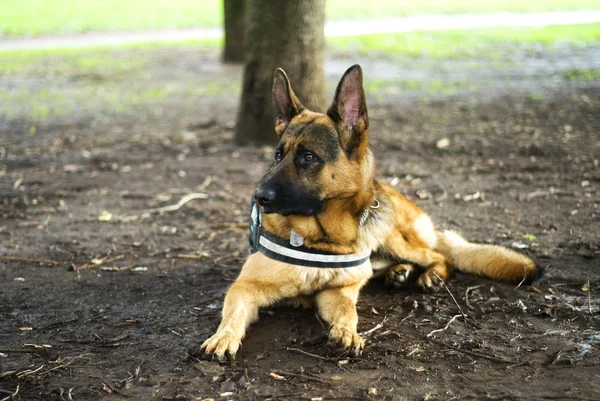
[
  {"x": 346, "y": 338},
  {"x": 221, "y": 345}
]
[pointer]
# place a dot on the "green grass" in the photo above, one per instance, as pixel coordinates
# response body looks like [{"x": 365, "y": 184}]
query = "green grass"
[
  {"x": 577, "y": 74},
  {"x": 467, "y": 43},
  {"x": 383, "y": 88},
  {"x": 38, "y": 17},
  {"x": 360, "y": 9},
  {"x": 93, "y": 81}
]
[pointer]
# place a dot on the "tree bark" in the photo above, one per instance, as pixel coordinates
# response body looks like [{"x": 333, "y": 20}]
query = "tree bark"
[
  {"x": 290, "y": 35},
  {"x": 235, "y": 30}
]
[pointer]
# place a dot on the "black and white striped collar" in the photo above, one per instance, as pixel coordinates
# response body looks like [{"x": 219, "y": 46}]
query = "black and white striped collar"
[{"x": 294, "y": 252}]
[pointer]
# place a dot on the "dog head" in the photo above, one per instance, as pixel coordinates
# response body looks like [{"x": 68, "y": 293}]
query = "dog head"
[{"x": 319, "y": 156}]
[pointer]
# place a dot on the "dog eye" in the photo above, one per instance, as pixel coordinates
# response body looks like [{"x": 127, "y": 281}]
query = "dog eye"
[
  {"x": 309, "y": 157},
  {"x": 278, "y": 156}
]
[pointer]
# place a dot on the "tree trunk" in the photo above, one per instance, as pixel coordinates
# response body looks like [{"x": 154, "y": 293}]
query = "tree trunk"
[
  {"x": 235, "y": 30},
  {"x": 290, "y": 35}
]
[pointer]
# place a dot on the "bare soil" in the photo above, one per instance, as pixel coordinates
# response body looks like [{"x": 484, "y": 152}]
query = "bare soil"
[{"x": 133, "y": 292}]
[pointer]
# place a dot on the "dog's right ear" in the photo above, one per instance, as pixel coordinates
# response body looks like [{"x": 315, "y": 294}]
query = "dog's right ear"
[
  {"x": 349, "y": 110},
  {"x": 287, "y": 105}
]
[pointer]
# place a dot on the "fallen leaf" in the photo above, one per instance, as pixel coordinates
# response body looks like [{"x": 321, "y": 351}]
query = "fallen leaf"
[
  {"x": 586, "y": 286},
  {"x": 276, "y": 376},
  {"x": 105, "y": 216}
]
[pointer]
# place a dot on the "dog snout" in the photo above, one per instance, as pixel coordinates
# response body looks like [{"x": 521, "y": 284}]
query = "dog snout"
[{"x": 265, "y": 196}]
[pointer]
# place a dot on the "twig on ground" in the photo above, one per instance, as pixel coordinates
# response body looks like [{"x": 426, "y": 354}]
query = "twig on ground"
[
  {"x": 13, "y": 395},
  {"x": 29, "y": 372},
  {"x": 320, "y": 321},
  {"x": 467, "y": 294},
  {"x": 377, "y": 327},
  {"x": 98, "y": 262},
  {"x": 178, "y": 205},
  {"x": 308, "y": 354},
  {"x": 410, "y": 314},
  {"x": 29, "y": 260},
  {"x": 445, "y": 327},
  {"x": 301, "y": 376},
  {"x": 449, "y": 292},
  {"x": 188, "y": 256},
  {"x": 471, "y": 353},
  {"x": 589, "y": 291},
  {"x": 524, "y": 276}
]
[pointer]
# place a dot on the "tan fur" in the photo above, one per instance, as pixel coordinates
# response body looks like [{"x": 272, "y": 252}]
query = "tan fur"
[
  {"x": 486, "y": 260},
  {"x": 401, "y": 236}
]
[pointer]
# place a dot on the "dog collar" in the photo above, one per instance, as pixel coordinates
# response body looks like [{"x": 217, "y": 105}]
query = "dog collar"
[{"x": 293, "y": 252}]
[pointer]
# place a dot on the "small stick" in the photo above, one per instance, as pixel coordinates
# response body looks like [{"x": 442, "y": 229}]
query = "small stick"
[
  {"x": 178, "y": 205},
  {"x": 377, "y": 327},
  {"x": 29, "y": 260},
  {"x": 301, "y": 376},
  {"x": 589, "y": 291},
  {"x": 98, "y": 263},
  {"x": 29, "y": 372},
  {"x": 12, "y": 395},
  {"x": 524, "y": 277},
  {"x": 445, "y": 327},
  {"x": 467, "y": 294},
  {"x": 188, "y": 256},
  {"x": 307, "y": 353},
  {"x": 454, "y": 299},
  {"x": 475, "y": 354}
]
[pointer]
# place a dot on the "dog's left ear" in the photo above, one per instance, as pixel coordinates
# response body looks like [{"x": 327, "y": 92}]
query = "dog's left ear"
[
  {"x": 287, "y": 105},
  {"x": 349, "y": 109}
]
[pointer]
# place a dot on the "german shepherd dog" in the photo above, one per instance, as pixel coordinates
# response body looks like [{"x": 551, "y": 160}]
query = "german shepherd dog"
[{"x": 322, "y": 188}]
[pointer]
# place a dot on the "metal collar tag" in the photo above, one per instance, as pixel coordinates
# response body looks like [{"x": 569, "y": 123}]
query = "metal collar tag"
[{"x": 293, "y": 251}]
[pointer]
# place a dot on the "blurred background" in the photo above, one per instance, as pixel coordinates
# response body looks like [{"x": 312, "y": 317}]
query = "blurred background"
[{"x": 72, "y": 61}]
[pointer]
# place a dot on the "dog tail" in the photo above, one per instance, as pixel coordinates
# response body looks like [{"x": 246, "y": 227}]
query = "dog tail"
[{"x": 492, "y": 261}]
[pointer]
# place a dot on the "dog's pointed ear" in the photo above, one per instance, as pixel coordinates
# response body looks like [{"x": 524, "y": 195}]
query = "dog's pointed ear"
[
  {"x": 349, "y": 108},
  {"x": 287, "y": 105}
]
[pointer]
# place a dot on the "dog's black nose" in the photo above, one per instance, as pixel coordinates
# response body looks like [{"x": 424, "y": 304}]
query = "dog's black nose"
[{"x": 265, "y": 196}]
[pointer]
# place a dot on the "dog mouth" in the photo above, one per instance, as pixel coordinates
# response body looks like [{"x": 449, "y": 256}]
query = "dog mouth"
[{"x": 287, "y": 211}]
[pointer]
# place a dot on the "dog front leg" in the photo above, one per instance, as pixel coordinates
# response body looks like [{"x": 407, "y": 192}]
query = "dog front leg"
[
  {"x": 240, "y": 309},
  {"x": 338, "y": 307}
]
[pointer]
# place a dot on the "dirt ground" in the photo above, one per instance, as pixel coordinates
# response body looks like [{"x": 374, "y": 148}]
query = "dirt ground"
[{"x": 126, "y": 294}]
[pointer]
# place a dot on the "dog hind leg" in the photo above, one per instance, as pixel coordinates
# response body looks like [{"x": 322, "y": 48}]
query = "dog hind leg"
[{"x": 434, "y": 263}]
